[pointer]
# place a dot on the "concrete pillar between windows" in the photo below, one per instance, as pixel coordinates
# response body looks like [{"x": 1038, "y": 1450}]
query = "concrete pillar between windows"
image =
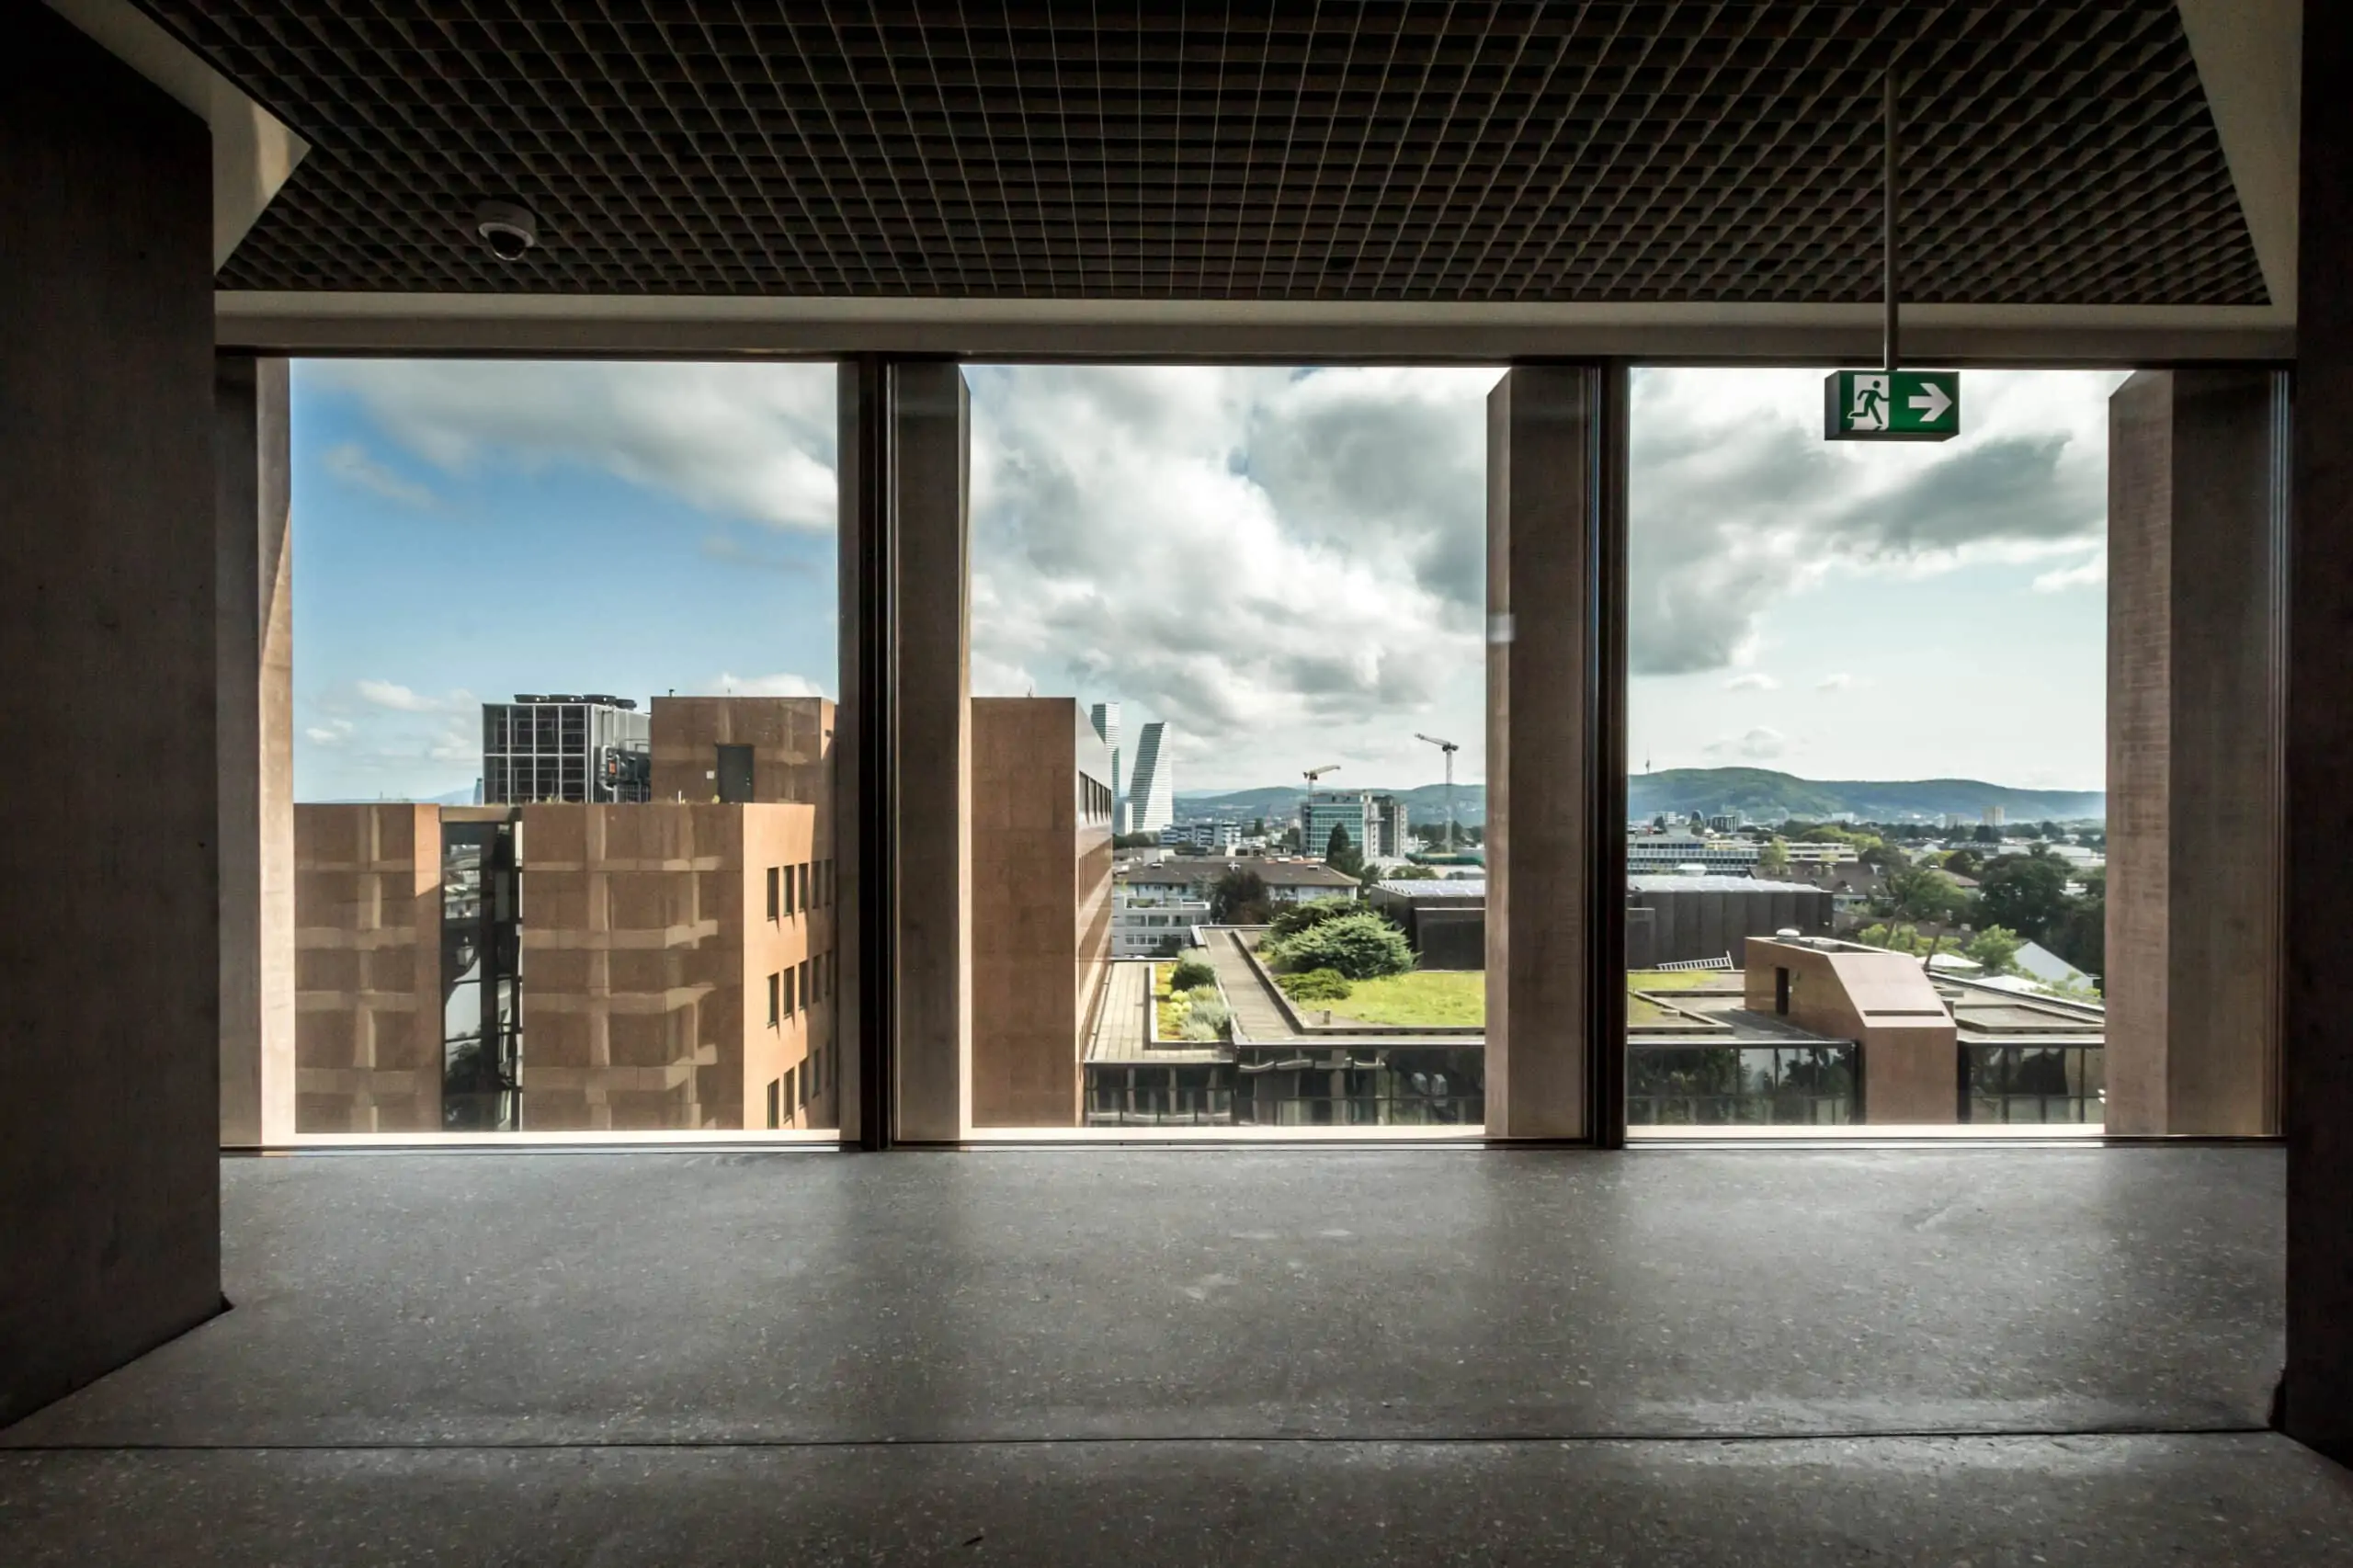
[
  {"x": 2197, "y": 521},
  {"x": 1541, "y": 498},
  {"x": 254, "y": 665},
  {"x": 110, "y": 971},
  {"x": 928, "y": 490},
  {"x": 2316, "y": 1027}
]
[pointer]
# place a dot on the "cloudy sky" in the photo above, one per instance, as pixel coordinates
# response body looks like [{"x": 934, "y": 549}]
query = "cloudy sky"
[{"x": 1287, "y": 566}]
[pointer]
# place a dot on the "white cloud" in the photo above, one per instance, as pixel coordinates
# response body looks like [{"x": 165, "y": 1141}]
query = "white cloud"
[
  {"x": 1838, "y": 682},
  {"x": 784, "y": 685},
  {"x": 1737, "y": 502},
  {"x": 400, "y": 698},
  {"x": 1248, "y": 554},
  {"x": 333, "y": 732},
  {"x": 2083, "y": 575},
  {"x": 752, "y": 441},
  {"x": 1759, "y": 744},
  {"x": 351, "y": 463},
  {"x": 1754, "y": 680}
]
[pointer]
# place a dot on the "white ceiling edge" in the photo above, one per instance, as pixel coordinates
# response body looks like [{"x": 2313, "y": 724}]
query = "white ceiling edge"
[
  {"x": 296, "y": 323},
  {"x": 253, "y": 150},
  {"x": 2250, "y": 59}
]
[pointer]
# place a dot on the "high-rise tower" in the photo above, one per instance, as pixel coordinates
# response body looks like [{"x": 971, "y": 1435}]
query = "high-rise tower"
[
  {"x": 1104, "y": 717},
  {"x": 1151, "y": 802}
]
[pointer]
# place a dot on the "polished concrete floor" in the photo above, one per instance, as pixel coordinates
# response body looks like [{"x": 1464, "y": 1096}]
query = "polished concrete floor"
[{"x": 1776, "y": 1356}]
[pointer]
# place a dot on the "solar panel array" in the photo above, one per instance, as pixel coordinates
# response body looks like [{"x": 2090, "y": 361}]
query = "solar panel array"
[{"x": 1423, "y": 150}]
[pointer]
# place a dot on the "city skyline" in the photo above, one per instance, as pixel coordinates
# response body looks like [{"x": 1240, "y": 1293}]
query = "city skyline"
[{"x": 1284, "y": 567}]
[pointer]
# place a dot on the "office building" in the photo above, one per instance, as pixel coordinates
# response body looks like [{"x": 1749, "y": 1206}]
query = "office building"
[
  {"x": 742, "y": 749},
  {"x": 1321, "y": 810},
  {"x": 1151, "y": 785},
  {"x": 559, "y": 968},
  {"x": 1386, "y": 830},
  {"x": 1104, "y": 718},
  {"x": 586, "y": 749},
  {"x": 1042, "y": 905}
]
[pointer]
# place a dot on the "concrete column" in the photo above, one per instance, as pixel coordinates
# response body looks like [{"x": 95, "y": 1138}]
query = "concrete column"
[
  {"x": 2316, "y": 1027},
  {"x": 2196, "y": 600},
  {"x": 254, "y": 661},
  {"x": 862, "y": 904},
  {"x": 1543, "y": 651},
  {"x": 928, "y": 440},
  {"x": 110, "y": 965}
]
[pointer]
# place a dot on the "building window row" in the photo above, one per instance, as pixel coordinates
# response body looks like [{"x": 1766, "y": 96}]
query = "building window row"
[
  {"x": 801, "y": 986},
  {"x": 792, "y": 889}
]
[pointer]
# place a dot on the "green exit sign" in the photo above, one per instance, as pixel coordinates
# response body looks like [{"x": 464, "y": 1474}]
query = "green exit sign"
[{"x": 1891, "y": 405}]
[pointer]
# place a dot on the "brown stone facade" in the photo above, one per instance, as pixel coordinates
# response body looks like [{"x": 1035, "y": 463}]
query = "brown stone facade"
[
  {"x": 1041, "y": 906},
  {"x": 1883, "y": 1002},
  {"x": 790, "y": 739},
  {"x": 367, "y": 968},
  {"x": 678, "y": 967}
]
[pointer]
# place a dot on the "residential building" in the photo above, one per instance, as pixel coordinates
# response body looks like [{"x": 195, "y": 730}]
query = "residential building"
[
  {"x": 1662, "y": 853},
  {"x": 1994, "y": 816},
  {"x": 1387, "y": 834},
  {"x": 1104, "y": 718},
  {"x": 1151, "y": 785},
  {"x": 1041, "y": 918},
  {"x": 1153, "y": 920},
  {"x": 1287, "y": 881},
  {"x": 578, "y": 748}
]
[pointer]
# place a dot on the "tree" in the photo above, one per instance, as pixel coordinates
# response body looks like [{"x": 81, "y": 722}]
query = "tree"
[
  {"x": 1895, "y": 938},
  {"x": 1134, "y": 840},
  {"x": 1291, "y": 919},
  {"x": 1964, "y": 862},
  {"x": 1239, "y": 898},
  {"x": 2026, "y": 892},
  {"x": 2081, "y": 935},
  {"x": 1361, "y": 947},
  {"x": 1987, "y": 834},
  {"x": 1190, "y": 972},
  {"x": 1340, "y": 852},
  {"x": 1773, "y": 860},
  {"x": 1923, "y": 893},
  {"x": 1996, "y": 946}
]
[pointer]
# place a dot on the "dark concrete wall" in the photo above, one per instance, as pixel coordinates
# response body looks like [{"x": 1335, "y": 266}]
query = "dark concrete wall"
[
  {"x": 2316, "y": 1027},
  {"x": 929, "y": 439},
  {"x": 109, "y": 958},
  {"x": 1540, "y": 528},
  {"x": 2196, "y": 507}
]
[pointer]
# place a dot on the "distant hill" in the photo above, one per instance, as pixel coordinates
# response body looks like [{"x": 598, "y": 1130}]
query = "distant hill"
[
  {"x": 1424, "y": 802},
  {"x": 1768, "y": 796},
  {"x": 1764, "y": 795}
]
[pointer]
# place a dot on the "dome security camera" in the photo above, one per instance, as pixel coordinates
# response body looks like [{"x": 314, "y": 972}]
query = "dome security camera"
[{"x": 507, "y": 228}]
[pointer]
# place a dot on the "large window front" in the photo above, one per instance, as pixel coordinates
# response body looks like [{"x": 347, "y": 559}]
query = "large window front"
[
  {"x": 1228, "y": 749},
  {"x": 1866, "y": 823},
  {"x": 564, "y": 719}
]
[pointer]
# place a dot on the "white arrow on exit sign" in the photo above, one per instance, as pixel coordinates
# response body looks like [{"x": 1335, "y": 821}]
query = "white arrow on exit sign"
[{"x": 1930, "y": 402}]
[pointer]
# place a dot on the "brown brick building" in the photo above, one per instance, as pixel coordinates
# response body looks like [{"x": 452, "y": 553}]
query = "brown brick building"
[
  {"x": 672, "y": 964},
  {"x": 1041, "y": 906}
]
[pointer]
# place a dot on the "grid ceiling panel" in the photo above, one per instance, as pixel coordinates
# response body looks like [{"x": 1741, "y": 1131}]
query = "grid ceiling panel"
[{"x": 2055, "y": 152}]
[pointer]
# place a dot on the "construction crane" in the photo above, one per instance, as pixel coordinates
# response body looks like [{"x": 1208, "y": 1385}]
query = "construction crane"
[
  {"x": 1448, "y": 748},
  {"x": 1305, "y": 815}
]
